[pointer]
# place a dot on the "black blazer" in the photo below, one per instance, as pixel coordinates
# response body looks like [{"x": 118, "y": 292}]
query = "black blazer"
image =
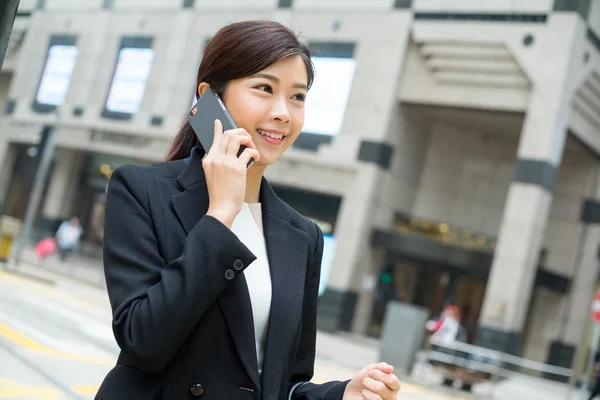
[{"x": 181, "y": 310}]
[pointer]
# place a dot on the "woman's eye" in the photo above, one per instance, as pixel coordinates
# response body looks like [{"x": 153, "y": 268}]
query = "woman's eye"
[
  {"x": 299, "y": 97},
  {"x": 265, "y": 88}
]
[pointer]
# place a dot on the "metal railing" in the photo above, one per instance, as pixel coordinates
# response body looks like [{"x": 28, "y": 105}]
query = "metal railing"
[{"x": 461, "y": 361}]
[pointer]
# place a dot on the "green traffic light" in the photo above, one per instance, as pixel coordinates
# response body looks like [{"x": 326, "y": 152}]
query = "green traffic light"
[{"x": 386, "y": 278}]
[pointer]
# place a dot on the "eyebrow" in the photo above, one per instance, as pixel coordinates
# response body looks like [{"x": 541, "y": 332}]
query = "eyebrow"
[{"x": 277, "y": 80}]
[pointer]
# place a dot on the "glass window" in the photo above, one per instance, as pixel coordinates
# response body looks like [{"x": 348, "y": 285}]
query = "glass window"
[
  {"x": 56, "y": 75},
  {"x": 327, "y": 99},
  {"x": 132, "y": 70}
]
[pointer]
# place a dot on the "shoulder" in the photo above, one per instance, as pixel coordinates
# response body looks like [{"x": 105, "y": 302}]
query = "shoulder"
[
  {"x": 166, "y": 169},
  {"x": 136, "y": 180},
  {"x": 134, "y": 176}
]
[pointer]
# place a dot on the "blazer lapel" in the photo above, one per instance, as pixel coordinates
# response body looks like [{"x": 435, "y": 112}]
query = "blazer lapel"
[
  {"x": 287, "y": 250},
  {"x": 190, "y": 205}
]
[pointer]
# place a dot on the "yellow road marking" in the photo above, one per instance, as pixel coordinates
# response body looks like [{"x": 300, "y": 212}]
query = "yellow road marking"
[
  {"x": 11, "y": 390},
  {"x": 32, "y": 345},
  {"x": 41, "y": 289},
  {"x": 86, "y": 390}
]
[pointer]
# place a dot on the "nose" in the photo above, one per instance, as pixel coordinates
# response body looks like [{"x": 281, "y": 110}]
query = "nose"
[{"x": 280, "y": 111}]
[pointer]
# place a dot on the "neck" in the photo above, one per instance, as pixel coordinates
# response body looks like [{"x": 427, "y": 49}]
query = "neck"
[{"x": 253, "y": 180}]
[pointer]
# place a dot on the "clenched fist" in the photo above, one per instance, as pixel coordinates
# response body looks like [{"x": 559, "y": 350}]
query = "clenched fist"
[{"x": 374, "y": 382}]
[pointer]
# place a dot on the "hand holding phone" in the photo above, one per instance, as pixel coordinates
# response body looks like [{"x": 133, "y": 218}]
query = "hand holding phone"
[{"x": 225, "y": 172}]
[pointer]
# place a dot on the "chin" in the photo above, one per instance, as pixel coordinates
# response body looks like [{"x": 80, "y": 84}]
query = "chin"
[
  {"x": 265, "y": 162},
  {"x": 268, "y": 159}
]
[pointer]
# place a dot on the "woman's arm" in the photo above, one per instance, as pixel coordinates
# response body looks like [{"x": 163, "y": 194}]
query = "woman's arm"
[
  {"x": 303, "y": 367},
  {"x": 156, "y": 305}
]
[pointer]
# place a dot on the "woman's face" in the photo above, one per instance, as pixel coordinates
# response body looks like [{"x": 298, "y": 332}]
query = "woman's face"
[{"x": 270, "y": 106}]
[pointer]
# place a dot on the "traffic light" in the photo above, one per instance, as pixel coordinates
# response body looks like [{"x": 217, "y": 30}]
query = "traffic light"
[{"x": 386, "y": 278}]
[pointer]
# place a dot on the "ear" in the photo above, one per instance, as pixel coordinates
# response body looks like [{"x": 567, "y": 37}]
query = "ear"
[{"x": 202, "y": 88}]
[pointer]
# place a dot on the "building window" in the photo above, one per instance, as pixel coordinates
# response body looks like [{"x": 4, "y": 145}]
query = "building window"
[
  {"x": 188, "y": 3},
  {"x": 40, "y": 4},
  {"x": 334, "y": 73},
  {"x": 285, "y": 3},
  {"x": 132, "y": 69},
  {"x": 56, "y": 77},
  {"x": 108, "y": 4}
]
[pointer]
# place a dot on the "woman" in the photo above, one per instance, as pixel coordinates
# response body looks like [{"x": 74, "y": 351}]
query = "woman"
[{"x": 212, "y": 279}]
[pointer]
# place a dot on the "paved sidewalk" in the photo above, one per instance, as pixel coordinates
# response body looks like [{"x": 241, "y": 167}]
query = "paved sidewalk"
[{"x": 339, "y": 356}]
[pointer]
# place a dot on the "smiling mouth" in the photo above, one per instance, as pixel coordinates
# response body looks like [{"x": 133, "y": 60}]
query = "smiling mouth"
[{"x": 272, "y": 135}]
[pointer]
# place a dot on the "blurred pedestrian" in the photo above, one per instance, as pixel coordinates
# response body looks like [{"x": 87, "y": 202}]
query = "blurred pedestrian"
[
  {"x": 450, "y": 330},
  {"x": 212, "y": 278},
  {"x": 434, "y": 324},
  {"x": 67, "y": 237}
]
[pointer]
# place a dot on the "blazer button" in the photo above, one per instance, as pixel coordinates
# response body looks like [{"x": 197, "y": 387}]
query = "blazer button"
[
  {"x": 238, "y": 265},
  {"x": 229, "y": 274},
  {"x": 197, "y": 390}
]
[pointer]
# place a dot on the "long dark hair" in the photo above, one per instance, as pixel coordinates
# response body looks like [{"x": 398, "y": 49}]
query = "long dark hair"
[{"x": 236, "y": 51}]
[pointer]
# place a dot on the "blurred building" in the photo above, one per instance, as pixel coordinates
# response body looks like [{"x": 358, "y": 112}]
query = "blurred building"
[{"x": 451, "y": 150}]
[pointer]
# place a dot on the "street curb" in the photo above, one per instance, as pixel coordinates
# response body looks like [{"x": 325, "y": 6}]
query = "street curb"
[{"x": 26, "y": 275}]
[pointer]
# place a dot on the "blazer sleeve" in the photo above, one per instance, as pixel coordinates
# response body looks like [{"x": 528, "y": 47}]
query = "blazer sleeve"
[
  {"x": 157, "y": 305},
  {"x": 303, "y": 367}
]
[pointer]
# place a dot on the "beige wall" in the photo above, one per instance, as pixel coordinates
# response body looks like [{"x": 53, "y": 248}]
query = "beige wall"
[
  {"x": 543, "y": 323},
  {"x": 573, "y": 185},
  {"x": 410, "y": 135},
  {"x": 564, "y": 239},
  {"x": 466, "y": 178}
]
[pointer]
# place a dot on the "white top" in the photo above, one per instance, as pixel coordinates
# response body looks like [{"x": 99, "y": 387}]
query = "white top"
[
  {"x": 449, "y": 332},
  {"x": 68, "y": 235},
  {"x": 249, "y": 229}
]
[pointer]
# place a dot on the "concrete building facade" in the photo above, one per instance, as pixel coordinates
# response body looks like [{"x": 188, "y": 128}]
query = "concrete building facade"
[{"x": 465, "y": 167}]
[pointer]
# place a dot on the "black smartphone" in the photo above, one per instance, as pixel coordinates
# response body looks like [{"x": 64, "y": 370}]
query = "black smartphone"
[{"x": 202, "y": 119}]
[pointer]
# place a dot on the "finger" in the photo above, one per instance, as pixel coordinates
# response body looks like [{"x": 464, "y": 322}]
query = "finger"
[
  {"x": 224, "y": 142},
  {"x": 241, "y": 132},
  {"x": 368, "y": 395},
  {"x": 233, "y": 148},
  {"x": 218, "y": 133},
  {"x": 376, "y": 386},
  {"x": 385, "y": 367},
  {"x": 249, "y": 154},
  {"x": 390, "y": 380}
]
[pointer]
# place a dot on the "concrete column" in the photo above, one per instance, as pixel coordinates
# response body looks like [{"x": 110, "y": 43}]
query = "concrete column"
[
  {"x": 528, "y": 202},
  {"x": 366, "y": 292},
  {"x": 409, "y": 136},
  {"x": 353, "y": 257},
  {"x": 366, "y": 138},
  {"x": 8, "y": 155},
  {"x": 576, "y": 315},
  {"x": 56, "y": 206}
]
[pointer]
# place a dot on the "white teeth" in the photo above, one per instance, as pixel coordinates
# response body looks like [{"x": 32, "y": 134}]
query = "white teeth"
[{"x": 269, "y": 134}]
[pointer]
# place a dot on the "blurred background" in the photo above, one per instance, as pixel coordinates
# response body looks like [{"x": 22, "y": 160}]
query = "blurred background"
[{"x": 451, "y": 156}]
